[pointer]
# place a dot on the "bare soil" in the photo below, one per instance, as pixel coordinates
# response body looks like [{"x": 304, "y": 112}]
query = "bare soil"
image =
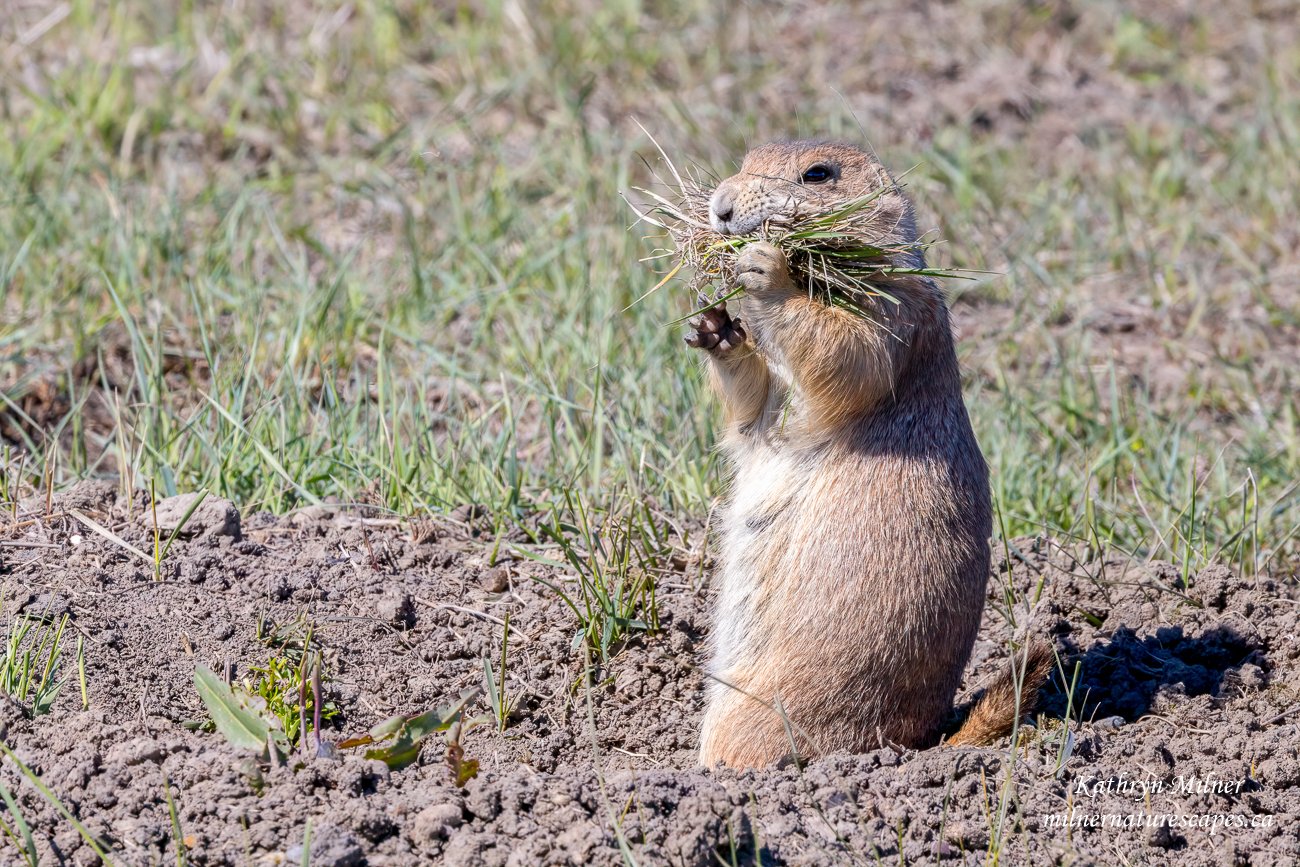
[{"x": 1175, "y": 682}]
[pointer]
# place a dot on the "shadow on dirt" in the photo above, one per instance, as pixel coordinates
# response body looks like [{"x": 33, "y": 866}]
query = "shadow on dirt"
[{"x": 1122, "y": 676}]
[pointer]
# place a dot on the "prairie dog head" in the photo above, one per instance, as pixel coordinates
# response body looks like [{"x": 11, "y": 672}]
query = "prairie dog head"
[{"x": 804, "y": 178}]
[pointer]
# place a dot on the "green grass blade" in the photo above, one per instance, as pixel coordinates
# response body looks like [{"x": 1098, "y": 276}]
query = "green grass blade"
[
  {"x": 28, "y": 844},
  {"x": 241, "y": 726},
  {"x": 91, "y": 840}
]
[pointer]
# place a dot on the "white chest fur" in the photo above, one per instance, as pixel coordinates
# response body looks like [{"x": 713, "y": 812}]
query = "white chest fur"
[{"x": 767, "y": 480}]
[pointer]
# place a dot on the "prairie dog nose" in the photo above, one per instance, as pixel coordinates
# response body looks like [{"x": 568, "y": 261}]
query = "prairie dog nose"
[{"x": 722, "y": 207}]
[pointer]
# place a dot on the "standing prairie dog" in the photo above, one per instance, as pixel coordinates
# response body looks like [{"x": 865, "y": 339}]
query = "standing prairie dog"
[{"x": 854, "y": 542}]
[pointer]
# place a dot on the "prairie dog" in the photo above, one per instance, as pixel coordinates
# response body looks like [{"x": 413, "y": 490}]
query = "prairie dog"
[{"x": 855, "y": 539}]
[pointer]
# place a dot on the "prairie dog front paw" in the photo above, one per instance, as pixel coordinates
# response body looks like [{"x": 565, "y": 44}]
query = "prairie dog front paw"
[
  {"x": 764, "y": 272},
  {"x": 716, "y": 331}
]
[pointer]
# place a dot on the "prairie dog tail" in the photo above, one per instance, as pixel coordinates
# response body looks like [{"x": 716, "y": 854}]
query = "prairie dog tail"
[{"x": 996, "y": 712}]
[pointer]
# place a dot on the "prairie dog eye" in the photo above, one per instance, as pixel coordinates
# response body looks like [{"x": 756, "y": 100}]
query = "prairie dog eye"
[{"x": 819, "y": 173}]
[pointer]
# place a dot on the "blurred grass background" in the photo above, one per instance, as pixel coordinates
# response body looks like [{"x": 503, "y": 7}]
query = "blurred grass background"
[{"x": 376, "y": 251}]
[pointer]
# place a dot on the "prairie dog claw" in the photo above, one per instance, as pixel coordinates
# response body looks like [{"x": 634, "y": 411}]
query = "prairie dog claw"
[{"x": 716, "y": 331}]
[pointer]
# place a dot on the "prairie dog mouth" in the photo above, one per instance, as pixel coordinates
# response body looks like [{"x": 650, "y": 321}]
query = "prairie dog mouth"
[{"x": 739, "y": 207}]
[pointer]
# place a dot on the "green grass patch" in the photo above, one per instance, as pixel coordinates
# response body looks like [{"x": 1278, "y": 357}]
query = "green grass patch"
[{"x": 383, "y": 258}]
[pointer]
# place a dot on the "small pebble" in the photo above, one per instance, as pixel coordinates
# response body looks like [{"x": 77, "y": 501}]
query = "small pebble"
[
  {"x": 212, "y": 517},
  {"x": 397, "y": 610},
  {"x": 495, "y": 580},
  {"x": 436, "y": 822}
]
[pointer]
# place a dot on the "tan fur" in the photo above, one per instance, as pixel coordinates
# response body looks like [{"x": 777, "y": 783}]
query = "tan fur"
[
  {"x": 1011, "y": 696},
  {"x": 854, "y": 545}
]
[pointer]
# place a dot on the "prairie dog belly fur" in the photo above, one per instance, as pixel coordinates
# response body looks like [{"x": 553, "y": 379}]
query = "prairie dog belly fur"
[
  {"x": 834, "y": 602},
  {"x": 756, "y": 501}
]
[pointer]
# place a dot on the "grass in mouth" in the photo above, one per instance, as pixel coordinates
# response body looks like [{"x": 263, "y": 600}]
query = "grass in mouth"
[{"x": 841, "y": 255}]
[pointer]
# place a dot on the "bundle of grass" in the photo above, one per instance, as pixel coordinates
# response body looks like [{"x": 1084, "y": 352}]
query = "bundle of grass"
[{"x": 840, "y": 252}]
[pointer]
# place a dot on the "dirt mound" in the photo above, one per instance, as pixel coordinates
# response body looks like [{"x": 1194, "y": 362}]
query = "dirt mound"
[{"x": 1185, "y": 705}]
